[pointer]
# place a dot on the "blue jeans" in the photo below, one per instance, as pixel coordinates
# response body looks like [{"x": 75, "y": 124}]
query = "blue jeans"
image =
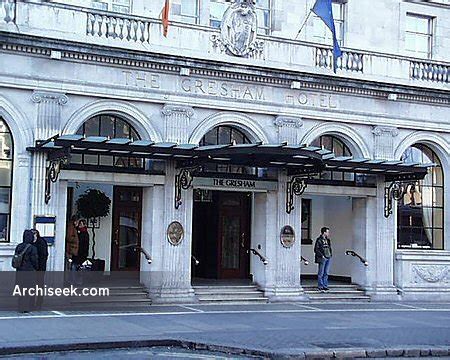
[{"x": 322, "y": 275}]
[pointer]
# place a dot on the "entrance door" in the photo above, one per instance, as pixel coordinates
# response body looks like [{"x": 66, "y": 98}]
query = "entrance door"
[
  {"x": 233, "y": 235},
  {"x": 126, "y": 234}
]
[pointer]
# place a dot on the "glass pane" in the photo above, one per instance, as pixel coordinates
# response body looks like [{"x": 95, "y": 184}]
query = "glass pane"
[
  {"x": 327, "y": 142},
  {"x": 338, "y": 147},
  {"x": 438, "y": 239},
  {"x": 237, "y": 136},
  {"x": 210, "y": 138},
  {"x": 4, "y": 225},
  {"x": 224, "y": 135},
  {"x": 91, "y": 159},
  {"x": 438, "y": 217},
  {"x": 128, "y": 239},
  {"x": 99, "y": 5},
  {"x": 230, "y": 242},
  {"x": 263, "y": 3},
  {"x": 107, "y": 126},
  {"x": 121, "y": 9},
  {"x": 106, "y": 160},
  {"x": 189, "y": 7},
  {"x": 91, "y": 127},
  {"x": 5, "y": 173},
  {"x": 216, "y": 13},
  {"x": 4, "y": 201},
  {"x": 438, "y": 196},
  {"x": 316, "y": 142},
  {"x": 122, "y": 129},
  {"x": 5, "y": 146},
  {"x": 75, "y": 159},
  {"x": 337, "y": 11}
]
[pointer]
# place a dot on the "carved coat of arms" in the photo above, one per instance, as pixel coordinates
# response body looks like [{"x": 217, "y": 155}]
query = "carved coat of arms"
[{"x": 238, "y": 28}]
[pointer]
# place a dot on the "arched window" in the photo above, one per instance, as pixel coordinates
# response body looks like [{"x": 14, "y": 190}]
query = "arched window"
[
  {"x": 339, "y": 148},
  {"x": 421, "y": 211},
  {"x": 6, "y": 166},
  {"x": 111, "y": 126},
  {"x": 224, "y": 134}
]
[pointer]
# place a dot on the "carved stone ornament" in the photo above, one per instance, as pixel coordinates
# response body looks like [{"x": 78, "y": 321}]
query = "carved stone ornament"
[
  {"x": 431, "y": 273},
  {"x": 175, "y": 233},
  {"x": 287, "y": 236},
  {"x": 238, "y": 28}
]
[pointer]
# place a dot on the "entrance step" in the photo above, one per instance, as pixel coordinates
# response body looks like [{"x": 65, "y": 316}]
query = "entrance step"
[
  {"x": 232, "y": 294},
  {"x": 338, "y": 292}
]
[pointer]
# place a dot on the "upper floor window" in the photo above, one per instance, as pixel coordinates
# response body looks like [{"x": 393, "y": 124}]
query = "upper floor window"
[
  {"x": 121, "y": 6},
  {"x": 187, "y": 10},
  {"x": 263, "y": 10},
  {"x": 322, "y": 33},
  {"x": 419, "y": 35}
]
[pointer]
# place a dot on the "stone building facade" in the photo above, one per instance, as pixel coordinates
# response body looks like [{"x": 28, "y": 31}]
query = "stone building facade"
[{"x": 104, "y": 69}]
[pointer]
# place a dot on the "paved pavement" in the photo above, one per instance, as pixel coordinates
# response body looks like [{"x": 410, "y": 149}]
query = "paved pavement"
[{"x": 267, "y": 330}]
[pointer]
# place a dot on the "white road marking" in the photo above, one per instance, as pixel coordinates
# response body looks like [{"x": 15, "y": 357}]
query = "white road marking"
[
  {"x": 305, "y": 306},
  {"x": 58, "y": 313},
  {"x": 191, "y": 308},
  {"x": 68, "y": 315},
  {"x": 410, "y": 306}
]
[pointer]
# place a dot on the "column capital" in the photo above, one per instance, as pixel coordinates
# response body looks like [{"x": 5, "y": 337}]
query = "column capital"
[
  {"x": 49, "y": 97},
  {"x": 288, "y": 121},
  {"x": 385, "y": 131},
  {"x": 171, "y": 109}
]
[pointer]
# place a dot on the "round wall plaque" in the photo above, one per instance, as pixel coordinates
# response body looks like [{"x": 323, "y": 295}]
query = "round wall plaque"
[
  {"x": 175, "y": 233},
  {"x": 287, "y": 236}
]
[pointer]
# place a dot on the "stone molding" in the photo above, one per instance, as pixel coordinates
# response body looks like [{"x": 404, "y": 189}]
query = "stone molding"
[
  {"x": 431, "y": 273},
  {"x": 232, "y": 76},
  {"x": 290, "y": 122},
  {"x": 49, "y": 97},
  {"x": 169, "y": 110},
  {"x": 385, "y": 130}
]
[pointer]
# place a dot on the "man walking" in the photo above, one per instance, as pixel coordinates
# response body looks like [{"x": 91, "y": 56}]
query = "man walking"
[
  {"x": 323, "y": 254},
  {"x": 42, "y": 251}
]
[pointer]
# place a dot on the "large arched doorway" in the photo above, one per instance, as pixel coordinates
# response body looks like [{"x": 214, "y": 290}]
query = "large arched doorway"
[
  {"x": 6, "y": 174},
  {"x": 420, "y": 213},
  {"x": 117, "y": 235},
  {"x": 221, "y": 219}
]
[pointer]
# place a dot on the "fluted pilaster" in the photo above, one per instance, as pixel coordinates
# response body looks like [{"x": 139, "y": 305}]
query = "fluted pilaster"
[
  {"x": 384, "y": 142},
  {"x": 176, "y": 122},
  {"x": 288, "y": 129}
]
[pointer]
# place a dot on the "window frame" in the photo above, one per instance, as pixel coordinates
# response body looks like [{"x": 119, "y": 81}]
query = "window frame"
[
  {"x": 7, "y": 238},
  {"x": 401, "y": 207},
  {"x": 430, "y": 35},
  {"x": 183, "y": 17},
  {"x": 338, "y": 24},
  {"x": 110, "y": 6}
]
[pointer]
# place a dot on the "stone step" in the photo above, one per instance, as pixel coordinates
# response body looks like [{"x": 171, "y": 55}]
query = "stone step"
[
  {"x": 230, "y": 296},
  {"x": 231, "y": 287},
  {"x": 228, "y": 301},
  {"x": 356, "y": 292},
  {"x": 225, "y": 291},
  {"x": 108, "y": 299},
  {"x": 327, "y": 297}
]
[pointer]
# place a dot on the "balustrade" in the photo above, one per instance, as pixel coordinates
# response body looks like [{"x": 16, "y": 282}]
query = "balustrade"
[
  {"x": 429, "y": 72},
  {"x": 7, "y": 11},
  {"x": 349, "y": 61}
]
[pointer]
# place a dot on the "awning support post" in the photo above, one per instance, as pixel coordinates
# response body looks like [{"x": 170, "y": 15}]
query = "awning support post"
[{"x": 296, "y": 186}]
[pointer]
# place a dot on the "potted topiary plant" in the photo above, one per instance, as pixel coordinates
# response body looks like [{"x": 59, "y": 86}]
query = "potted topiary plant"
[{"x": 92, "y": 205}]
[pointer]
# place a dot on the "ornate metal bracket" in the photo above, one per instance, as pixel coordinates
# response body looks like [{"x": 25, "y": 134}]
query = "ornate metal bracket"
[
  {"x": 394, "y": 192},
  {"x": 52, "y": 174},
  {"x": 183, "y": 181},
  {"x": 296, "y": 186}
]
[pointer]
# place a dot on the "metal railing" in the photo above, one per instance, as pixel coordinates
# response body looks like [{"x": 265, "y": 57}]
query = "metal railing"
[
  {"x": 261, "y": 257},
  {"x": 306, "y": 261},
  {"x": 145, "y": 253},
  {"x": 195, "y": 260},
  {"x": 353, "y": 253}
]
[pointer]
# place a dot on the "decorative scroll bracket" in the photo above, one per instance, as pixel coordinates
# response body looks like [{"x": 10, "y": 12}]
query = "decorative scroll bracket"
[
  {"x": 296, "y": 186},
  {"x": 183, "y": 181},
  {"x": 394, "y": 192},
  {"x": 52, "y": 174}
]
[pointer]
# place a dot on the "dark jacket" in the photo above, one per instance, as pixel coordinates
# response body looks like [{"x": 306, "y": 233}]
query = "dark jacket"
[
  {"x": 30, "y": 258},
  {"x": 320, "y": 249},
  {"x": 42, "y": 251}
]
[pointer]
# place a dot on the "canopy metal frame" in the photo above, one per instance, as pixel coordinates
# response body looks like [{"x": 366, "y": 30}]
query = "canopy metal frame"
[{"x": 300, "y": 161}]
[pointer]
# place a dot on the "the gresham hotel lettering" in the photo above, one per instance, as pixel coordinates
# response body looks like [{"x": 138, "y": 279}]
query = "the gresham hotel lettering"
[{"x": 225, "y": 89}]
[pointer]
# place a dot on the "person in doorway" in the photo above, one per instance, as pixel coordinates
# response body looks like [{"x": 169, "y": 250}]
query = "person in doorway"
[
  {"x": 72, "y": 243},
  {"x": 83, "y": 241},
  {"x": 25, "y": 271},
  {"x": 323, "y": 254},
  {"x": 42, "y": 251}
]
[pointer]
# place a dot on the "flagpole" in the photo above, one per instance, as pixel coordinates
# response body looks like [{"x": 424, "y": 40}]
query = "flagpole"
[{"x": 304, "y": 23}]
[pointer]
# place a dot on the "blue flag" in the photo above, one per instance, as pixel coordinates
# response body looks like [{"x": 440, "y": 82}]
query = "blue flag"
[{"x": 324, "y": 10}]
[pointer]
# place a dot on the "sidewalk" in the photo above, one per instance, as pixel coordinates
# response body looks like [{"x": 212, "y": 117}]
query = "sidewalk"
[{"x": 266, "y": 330}]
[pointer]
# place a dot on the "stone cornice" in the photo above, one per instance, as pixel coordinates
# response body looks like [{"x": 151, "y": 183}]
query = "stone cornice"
[{"x": 41, "y": 47}]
